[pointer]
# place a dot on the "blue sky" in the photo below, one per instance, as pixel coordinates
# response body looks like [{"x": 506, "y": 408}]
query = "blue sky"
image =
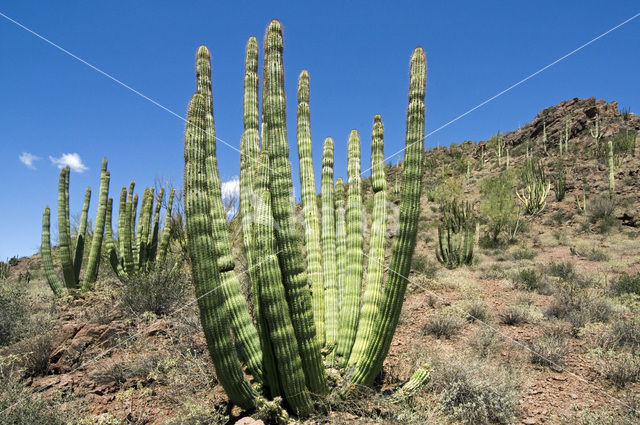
[{"x": 357, "y": 54}]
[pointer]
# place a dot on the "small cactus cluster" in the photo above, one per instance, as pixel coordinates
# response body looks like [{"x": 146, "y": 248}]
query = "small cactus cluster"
[
  {"x": 534, "y": 195},
  {"x": 311, "y": 310},
  {"x": 71, "y": 257},
  {"x": 136, "y": 250},
  {"x": 456, "y": 234}
]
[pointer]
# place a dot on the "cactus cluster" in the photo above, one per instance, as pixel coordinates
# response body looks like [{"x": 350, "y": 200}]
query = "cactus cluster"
[
  {"x": 137, "y": 249},
  {"x": 534, "y": 196},
  {"x": 456, "y": 234},
  {"x": 309, "y": 310},
  {"x": 71, "y": 257}
]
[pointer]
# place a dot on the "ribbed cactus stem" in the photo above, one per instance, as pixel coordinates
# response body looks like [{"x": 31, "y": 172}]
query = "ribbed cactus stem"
[
  {"x": 612, "y": 184},
  {"x": 310, "y": 206},
  {"x": 45, "y": 251},
  {"x": 276, "y": 313},
  {"x": 82, "y": 234},
  {"x": 66, "y": 256},
  {"x": 281, "y": 188},
  {"x": 341, "y": 237},
  {"x": 155, "y": 229},
  {"x": 375, "y": 260},
  {"x": 211, "y": 301},
  {"x": 329, "y": 266},
  {"x": 378, "y": 346},
  {"x": 350, "y": 309},
  {"x": 121, "y": 220},
  {"x": 91, "y": 273},
  {"x": 166, "y": 232},
  {"x": 126, "y": 232},
  {"x": 241, "y": 322}
]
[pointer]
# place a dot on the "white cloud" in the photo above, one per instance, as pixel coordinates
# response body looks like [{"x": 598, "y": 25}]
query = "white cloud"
[
  {"x": 73, "y": 160},
  {"x": 230, "y": 194},
  {"x": 28, "y": 159}
]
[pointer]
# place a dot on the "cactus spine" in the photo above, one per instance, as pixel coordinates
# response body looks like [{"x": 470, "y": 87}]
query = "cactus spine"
[{"x": 310, "y": 205}]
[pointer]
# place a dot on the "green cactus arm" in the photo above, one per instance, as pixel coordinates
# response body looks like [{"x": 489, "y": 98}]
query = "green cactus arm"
[
  {"x": 166, "y": 232},
  {"x": 341, "y": 237},
  {"x": 110, "y": 244},
  {"x": 378, "y": 347},
  {"x": 310, "y": 206},
  {"x": 82, "y": 234},
  {"x": 91, "y": 273},
  {"x": 280, "y": 184},
  {"x": 155, "y": 229},
  {"x": 375, "y": 263},
  {"x": 146, "y": 212},
  {"x": 126, "y": 232},
  {"x": 350, "y": 309},
  {"x": 241, "y": 322},
  {"x": 121, "y": 220},
  {"x": 211, "y": 302},
  {"x": 45, "y": 251},
  {"x": 419, "y": 379},
  {"x": 134, "y": 234},
  {"x": 329, "y": 266},
  {"x": 276, "y": 313},
  {"x": 66, "y": 259}
]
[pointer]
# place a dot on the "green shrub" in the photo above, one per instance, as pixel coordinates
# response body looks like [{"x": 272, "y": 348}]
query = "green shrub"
[
  {"x": 498, "y": 207},
  {"x": 564, "y": 270},
  {"x": 514, "y": 315},
  {"x": 530, "y": 280},
  {"x": 549, "y": 350},
  {"x": 444, "y": 323},
  {"x": 619, "y": 367},
  {"x": 474, "y": 393},
  {"x": 14, "y": 311},
  {"x": 421, "y": 264},
  {"x": 524, "y": 254},
  {"x": 601, "y": 208},
  {"x": 18, "y": 406},
  {"x": 485, "y": 342},
  {"x": 157, "y": 291},
  {"x": 626, "y": 284},
  {"x": 477, "y": 310}
]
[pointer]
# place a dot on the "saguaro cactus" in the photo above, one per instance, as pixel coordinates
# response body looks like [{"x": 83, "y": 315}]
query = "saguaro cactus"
[
  {"x": 71, "y": 258},
  {"x": 289, "y": 336}
]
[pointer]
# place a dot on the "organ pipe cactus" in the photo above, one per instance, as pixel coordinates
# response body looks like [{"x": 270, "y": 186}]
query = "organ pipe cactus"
[
  {"x": 612, "y": 184},
  {"x": 136, "y": 251},
  {"x": 456, "y": 235},
  {"x": 71, "y": 258},
  {"x": 289, "y": 338}
]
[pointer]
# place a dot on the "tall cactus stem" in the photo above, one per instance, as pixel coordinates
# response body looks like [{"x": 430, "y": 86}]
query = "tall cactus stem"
[
  {"x": 45, "y": 251},
  {"x": 91, "y": 273},
  {"x": 310, "y": 207},
  {"x": 329, "y": 267}
]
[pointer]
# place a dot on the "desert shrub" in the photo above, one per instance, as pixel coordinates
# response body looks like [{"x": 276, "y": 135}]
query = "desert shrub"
[
  {"x": 474, "y": 393},
  {"x": 514, "y": 315},
  {"x": 485, "y": 342},
  {"x": 601, "y": 208},
  {"x": 157, "y": 291},
  {"x": 524, "y": 254},
  {"x": 444, "y": 323},
  {"x": 477, "y": 310},
  {"x": 597, "y": 255},
  {"x": 421, "y": 264},
  {"x": 14, "y": 311},
  {"x": 18, "y": 406},
  {"x": 34, "y": 350},
  {"x": 619, "y": 367},
  {"x": 498, "y": 207},
  {"x": 579, "y": 307},
  {"x": 626, "y": 284},
  {"x": 563, "y": 270},
  {"x": 549, "y": 349},
  {"x": 622, "y": 333},
  {"x": 447, "y": 191},
  {"x": 530, "y": 280},
  {"x": 120, "y": 370}
]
